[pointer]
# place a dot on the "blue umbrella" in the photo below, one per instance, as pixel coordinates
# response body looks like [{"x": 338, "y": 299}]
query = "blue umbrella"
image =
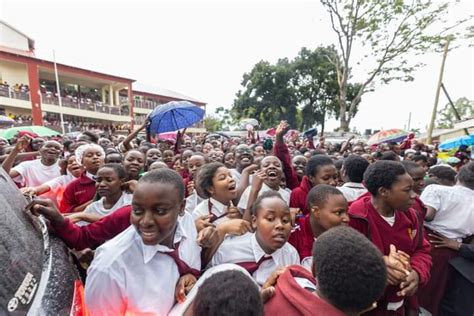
[
  {"x": 456, "y": 142},
  {"x": 173, "y": 116}
]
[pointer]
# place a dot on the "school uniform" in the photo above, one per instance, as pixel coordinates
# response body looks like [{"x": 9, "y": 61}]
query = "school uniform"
[
  {"x": 244, "y": 199},
  {"x": 454, "y": 208},
  {"x": 298, "y": 196},
  {"x": 302, "y": 239},
  {"x": 406, "y": 233},
  {"x": 281, "y": 151},
  {"x": 295, "y": 294},
  {"x": 129, "y": 277},
  {"x": 212, "y": 207},
  {"x": 34, "y": 173},
  {"x": 454, "y": 219},
  {"x": 245, "y": 251},
  {"x": 93, "y": 235},
  {"x": 192, "y": 201},
  {"x": 78, "y": 192},
  {"x": 98, "y": 208},
  {"x": 352, "y": 190}
]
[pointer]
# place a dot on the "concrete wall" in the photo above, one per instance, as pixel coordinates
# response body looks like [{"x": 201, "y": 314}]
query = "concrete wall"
[{"x": 13, "y": 73}]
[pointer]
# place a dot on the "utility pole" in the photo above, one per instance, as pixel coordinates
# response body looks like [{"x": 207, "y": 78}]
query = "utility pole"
[
  {"x": 429, "y": 139},
  {"x": 456, "y": 113},
  {"x": 409, "y": 122}
]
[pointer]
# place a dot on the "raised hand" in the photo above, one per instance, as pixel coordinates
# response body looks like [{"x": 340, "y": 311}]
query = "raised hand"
[
  {"x": 282, "y": 129},
  {"x": 258, "y": 180},
  {"x": 22, "y": 143}
]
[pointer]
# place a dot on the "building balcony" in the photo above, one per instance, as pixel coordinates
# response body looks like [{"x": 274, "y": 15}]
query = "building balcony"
[
  {"x": 85, "y": 104},
  {"x": 85, "y": 108},
  {"x": 8, "y": 92}
]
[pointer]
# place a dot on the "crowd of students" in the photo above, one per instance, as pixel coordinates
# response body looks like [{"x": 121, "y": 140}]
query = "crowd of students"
[{"x": 211, "y": 225}]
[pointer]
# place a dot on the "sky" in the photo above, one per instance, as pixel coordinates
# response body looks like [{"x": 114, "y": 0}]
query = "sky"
[{"x": 203, "y": 48}]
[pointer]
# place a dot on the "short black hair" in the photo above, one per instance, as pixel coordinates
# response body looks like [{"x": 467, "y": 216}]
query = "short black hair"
[
  {"x": 389, "y": 155},
  {"x": 165, "y": 176},
  {"x": 355, "y": 167},
  {"x": 466, "y": 175},
  {"x": 265, "y": 195},
  {"x": 348, "y": 280},
  {"x": 410, "y": 166},
  {"x": 93, "y": 136},
  {"x": 205, "y": 175},
  {"x": 320, "y": 193},
  {"x": 228, "y": 293},
  {"x": 113, "y": 153},
  {"x": 443, "y": 172},
  {"x": 118, "y": 168},
  {"x": 382, "y": 174},
  {"x": 420, "y": 158},
  {"x": 316, "y": 162}
]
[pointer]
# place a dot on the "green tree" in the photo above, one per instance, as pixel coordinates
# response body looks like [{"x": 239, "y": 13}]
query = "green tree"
[
  {"x": 316, "y": 86},
  {"x": 268, "y": 95},
  {"x": 391, "y": 31},
  {"x": 447, "y": 117},
  {"x": 212, "y": 123}
]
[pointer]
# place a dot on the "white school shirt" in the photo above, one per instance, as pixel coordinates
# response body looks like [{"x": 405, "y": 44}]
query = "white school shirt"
[
  {"x": 244, "y": 199},
  {"x": 245, "y": 248},
  {"x": 217, "y": 208},
  {"x": 237, "y": 176},
  {"x": 192, "y": 201},
  {"x": 454, "y": 207},
  {"x": 61, "y": 181},
  {"x": 352, "y": 190},
  {"x": 127, "y": 276},
  {"x": 98, "y": 207},
  {"x": 33, "y": 173}
]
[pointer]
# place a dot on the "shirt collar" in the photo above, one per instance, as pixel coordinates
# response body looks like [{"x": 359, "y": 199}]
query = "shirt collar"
[
  {"x": 150, "y": 251},
  {"x": 221, "y": 208},
  {"x": 91, "y": 176},
  {"x": 258, "y": 252},
  {"x": 353, "y": 185}
]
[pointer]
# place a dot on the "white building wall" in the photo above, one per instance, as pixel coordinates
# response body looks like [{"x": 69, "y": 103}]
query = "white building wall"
[{"x": 12, "y": 39}]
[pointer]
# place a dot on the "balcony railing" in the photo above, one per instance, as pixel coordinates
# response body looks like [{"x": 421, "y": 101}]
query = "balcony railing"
[
  {"x": 144, "y": 104},
  {"x": 85, "y": 104},
  {"x": 7, "y": 92}
]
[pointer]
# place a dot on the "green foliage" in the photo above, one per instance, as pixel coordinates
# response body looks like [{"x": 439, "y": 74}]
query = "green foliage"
[
  {"x": 267, "y": 95},
  {"x": 389, "y": 32},
  {"x": 302, "y": 91},
  {"x": 447, "y": 117},
  {"x": 212, "y": 123}
]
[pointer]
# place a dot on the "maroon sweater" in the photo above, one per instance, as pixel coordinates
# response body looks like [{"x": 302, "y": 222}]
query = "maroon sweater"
[
  {"x": 302, "y": 238},
  {"x": 78, "y": 192},
  {"x": 282, "y": 152},
  {"x": 298, "y": 196},
  {"x": 406, "y": 235},
  {"x": 291, "y": 299},
  {"x": 94, "y": 234}
]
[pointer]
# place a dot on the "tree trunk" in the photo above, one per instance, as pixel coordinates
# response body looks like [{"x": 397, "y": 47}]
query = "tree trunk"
[
  {"x": 344, "y": 120},
  {"x": 323, "y": 123}
]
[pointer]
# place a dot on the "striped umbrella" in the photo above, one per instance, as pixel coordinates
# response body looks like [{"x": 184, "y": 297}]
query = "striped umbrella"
[{"x": 386, "y": 136}]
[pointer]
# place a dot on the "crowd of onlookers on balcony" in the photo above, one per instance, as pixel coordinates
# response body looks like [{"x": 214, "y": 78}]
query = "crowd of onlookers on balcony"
[
  {"x": 17, "y": 91},
  {"x": 72, "y": 124},
  {"x": 84, "y": 100}
]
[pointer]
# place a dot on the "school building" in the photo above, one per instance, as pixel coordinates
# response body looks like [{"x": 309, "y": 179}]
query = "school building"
[{"x": 29, "y": 93}]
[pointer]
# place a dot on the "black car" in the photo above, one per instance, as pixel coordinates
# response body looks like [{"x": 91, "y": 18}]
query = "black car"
[{"x": 37, "y": 274}]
